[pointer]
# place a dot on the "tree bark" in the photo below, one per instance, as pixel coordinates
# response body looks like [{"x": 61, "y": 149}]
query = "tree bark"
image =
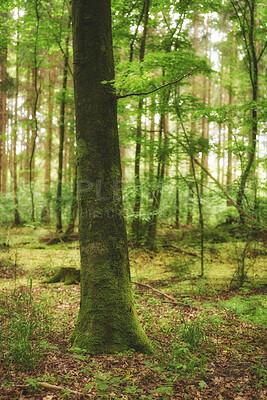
[
  {"x": 15, "y": 133},
  {"x": 219, "y": 157},
  {"x": 161, "y": 171},
  {"x": 48, "y": 146},
  {"x": 190, "y": 199},
  {"x": 35, "y": 106},
  {"x": 107, "y": 320},
  {"x": 177, "y": 189},
  {"x": 229, "y": 176},
  {"x": 205, "y": 121},
  {"x": 29, "y": 107},
  {"x": 73, "y": 208},
  {"x": 62, "y": 136}
]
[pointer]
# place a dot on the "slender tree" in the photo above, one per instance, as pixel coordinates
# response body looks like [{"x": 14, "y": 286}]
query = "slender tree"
[
  {"x": 48, "y": 146},
  {"x": 245, "y": 12},
  {"x": 62, "y": 133},
  {"x": 137, "y": 202},
  {"x": 161, "y": 171},
  {"x": 15, "y": 134},
  {"x": 35, "y": 105}
]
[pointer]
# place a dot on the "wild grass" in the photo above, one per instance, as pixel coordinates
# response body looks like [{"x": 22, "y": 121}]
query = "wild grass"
[{"x": 24, "y": 327}]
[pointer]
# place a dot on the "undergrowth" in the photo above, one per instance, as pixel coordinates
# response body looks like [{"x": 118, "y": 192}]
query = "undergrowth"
[
  {"x": 24, "y": 328},
  {"x": 251, "y": 309}
]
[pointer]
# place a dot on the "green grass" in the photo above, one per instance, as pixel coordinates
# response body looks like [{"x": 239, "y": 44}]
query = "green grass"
[
  {"x": 175, "y": 271},
  {"x": 252, "y": 309},
  {"x": 24, "y": 326}
]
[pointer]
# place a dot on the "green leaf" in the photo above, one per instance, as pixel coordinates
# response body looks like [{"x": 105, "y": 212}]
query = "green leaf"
[
  {"x": 102, "y": 386},
  {"x": 88, "y": 386},
  {"x": 202, "y": 384}
]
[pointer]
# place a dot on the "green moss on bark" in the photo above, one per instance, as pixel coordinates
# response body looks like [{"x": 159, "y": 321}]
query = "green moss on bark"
[
  {"x": 107, "y": 320},
  {"x": 70, "y": 276}
]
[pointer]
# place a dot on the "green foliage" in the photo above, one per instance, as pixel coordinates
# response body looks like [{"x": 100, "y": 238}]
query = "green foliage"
[
  {"x": 204, "y": 288},
  {"x": 243, "y": 262},
  {"x": 33, "y": 383},
  {"x": 7, "y": 204},
  {"x": 188, "y": 340},
  {"x": 192, "y": 333},
  {"x": 24, "y": 329},
  {"x": 180, "y": 267},
  {"x": 216, "y": 235},
  {"x": 260, "y": 371},
  {"x": 251, "y": 309},
  {"x": 164, "y": 391},
  {"x": 105, "y": 383}
]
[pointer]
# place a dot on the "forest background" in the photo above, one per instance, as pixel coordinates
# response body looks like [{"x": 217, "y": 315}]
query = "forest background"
[{"x": 191, "y": 87}]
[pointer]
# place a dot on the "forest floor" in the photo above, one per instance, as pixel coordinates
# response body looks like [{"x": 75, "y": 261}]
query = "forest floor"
[{"x": 209, "y": 336}]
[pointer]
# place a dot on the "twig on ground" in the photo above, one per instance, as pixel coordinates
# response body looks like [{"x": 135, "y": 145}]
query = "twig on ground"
[
  {"x": 172, "y": 299},
  {"x": 46, "y": 385}
]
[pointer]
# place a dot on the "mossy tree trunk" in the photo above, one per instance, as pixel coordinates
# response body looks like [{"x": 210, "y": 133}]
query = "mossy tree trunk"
[
  {"x": 107, "y": 320},
  {"x": 68, "y": 275}
]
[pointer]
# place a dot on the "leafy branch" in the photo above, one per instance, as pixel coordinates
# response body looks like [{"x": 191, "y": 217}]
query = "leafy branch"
[{"x": 160, "y": 87}]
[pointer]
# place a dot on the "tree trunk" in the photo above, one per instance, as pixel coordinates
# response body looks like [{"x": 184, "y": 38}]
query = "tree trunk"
[
  {"x": 190, "y": 199},
  {"x": 152, "y": 229},
  {"x": 246, "y": 13},
  {"x": 177, "y": 191},
  {"x": 205, "y": 121},
  {"x": 48, "y": 146},
  {"x": 229, "y": 176},
  {"x": 137, "y": 202},
  {"x": 73, "y": 209},
  {"x": 34, "y": 111},
  {"x": 220, "y": 126},
  {"x": 223, "y": 154},
  {"x": 29, "y": 101},
  {"x": 62, "y": 136},
  {"x": 121, "y": 120},
  {"x": 107, "y": 320},
  {"x": 15, "y": 133}
]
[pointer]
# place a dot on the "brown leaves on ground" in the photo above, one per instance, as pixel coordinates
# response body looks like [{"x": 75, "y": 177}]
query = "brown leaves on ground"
[{"x": 231, "y": 360}]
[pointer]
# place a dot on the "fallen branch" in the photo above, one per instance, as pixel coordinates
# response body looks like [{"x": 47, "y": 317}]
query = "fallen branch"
[
  {"x": 172, "y": 299},
  {"x": 54, "y": 387}
]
